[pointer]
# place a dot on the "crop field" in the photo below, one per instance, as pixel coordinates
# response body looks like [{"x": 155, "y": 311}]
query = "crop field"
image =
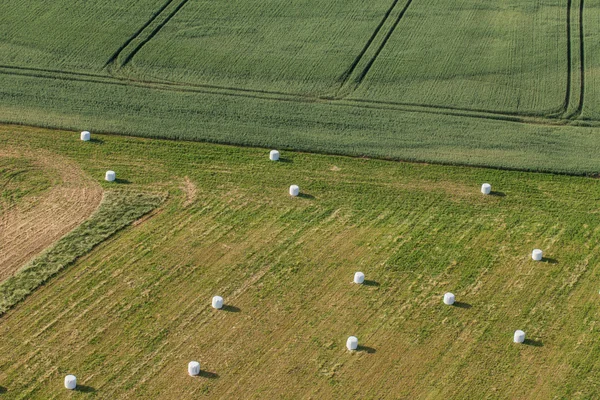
[
  {"x": 511, "y": 84},
  {"x": 127, "y": 317}
]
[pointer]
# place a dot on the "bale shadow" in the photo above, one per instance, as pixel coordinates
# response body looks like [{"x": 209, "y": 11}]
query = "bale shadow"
[
  {"x": 460, "y": 304},
  {"x": 285, "y": 160},
  {"x": 3, "y": 390},
  {"x": 306, "y": 196},
  {"x": 96, "y": 141},
  {"x": 230, "y": 308},
  {"x": 371, "y": 283},
  {"x": 497, "y": 194},
  {"x": 208, "y": 375},
  {"x": 534, "y": 343},
  {"x": 366, "y": 349},
  {"x": 85, "y": 389},
  {"x": 121, "y": 181},
  {"x": 549, "y": 260}
]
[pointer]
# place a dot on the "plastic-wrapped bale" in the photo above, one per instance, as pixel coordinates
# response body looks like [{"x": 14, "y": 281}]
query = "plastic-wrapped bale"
[
  {"x": 194, "y": 368},
  {"x": 352, "y": 343},
  {"x": 449, "y": 299},
  {"x": 359, "y": 277},
  {"x": 86, "y": 136},
  {"x": 70, "y": 382},
  {"x": 519, "y": 336},
  {"x": 217, "y": 302},
  {"x": 536, "y": 255},
  {"x": 486, "y": 188},
  {"x": 294, "y": 190},
  {"x": 274, "y": 155},
  {"x": 110, "y": 176}
]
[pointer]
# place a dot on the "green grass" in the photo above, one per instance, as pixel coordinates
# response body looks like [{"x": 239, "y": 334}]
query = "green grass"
[
  {"x": 20, "y": 180},
  {"x": 117, "y": 210},
  {"x": 480, "y": 82},
  {"x": 129, "y": 316}
]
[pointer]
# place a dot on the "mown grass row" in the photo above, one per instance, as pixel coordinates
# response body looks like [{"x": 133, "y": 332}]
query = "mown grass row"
[{"x": 127, "y": 318}]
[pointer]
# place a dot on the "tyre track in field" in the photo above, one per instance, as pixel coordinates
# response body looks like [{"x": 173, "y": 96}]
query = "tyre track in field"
[
  {"x": 114, "y": 64},
  {"x": 389, "y": 34},
  {"x": 349, "y": 83},
  {"x": 285, "y": 97},
  {"x": 346, "y": 75},
  {"x": 26, "y": 232},
  {"x": 117, "y": 53}
]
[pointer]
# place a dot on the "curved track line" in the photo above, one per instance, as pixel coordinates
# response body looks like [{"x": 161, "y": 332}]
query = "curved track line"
[{"x": 25, "y": 232}]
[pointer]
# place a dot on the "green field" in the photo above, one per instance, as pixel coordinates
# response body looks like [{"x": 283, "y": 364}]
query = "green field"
[
  {"x": 506, "y": 56},
  {"x": 128, "y": 317},
  {"x": 508, "y": 85}
]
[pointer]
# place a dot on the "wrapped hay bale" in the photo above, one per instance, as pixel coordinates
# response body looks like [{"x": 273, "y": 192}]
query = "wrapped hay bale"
[
  {"x": 352, "y": 343},
  {"x": 70, "y": 382},
  {"x": 294, "y": 190},
  {"x": 217, "y": 302},
  {"x": 519, "y": 336},
  {"x": 359, "y": 277},
  {"x": 449, "y": 299},
  {"x": 194, "y": 368},
  {"x": 110, "y": 176}
]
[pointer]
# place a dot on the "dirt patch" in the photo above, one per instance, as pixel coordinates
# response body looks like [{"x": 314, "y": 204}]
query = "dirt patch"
[
  {"x": 26, "y": 230},
  {"x": 190, "y": 190}
]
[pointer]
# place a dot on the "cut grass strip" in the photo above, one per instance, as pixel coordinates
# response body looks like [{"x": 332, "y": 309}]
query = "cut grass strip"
[{"x": 117, "y": 210}]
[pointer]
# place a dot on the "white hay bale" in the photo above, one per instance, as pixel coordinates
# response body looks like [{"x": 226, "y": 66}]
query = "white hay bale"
[
  {"x": 449, "y": 299},
  {"x": 70, "y": 382},
  {"x": 274, "y": 155},
  {"x": 194, "y": 368},
  {"x": 217, "y": 302},
  {"x": 536, "y": 255},
  {"x": 110, "y": 176},
  {"x": 294, "y": 190},
  {"x": 486, "y": 188},
  {"x": 86, "y": 136},
  {"x": 359, "y": 277},
  {"x": 519, "y": 336},
  {"x": 352, "y": 343}
]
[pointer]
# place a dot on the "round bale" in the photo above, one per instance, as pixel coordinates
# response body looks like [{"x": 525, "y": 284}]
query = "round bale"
[
  {"x": 486, "y": 188},
  {"x": 217, "y": 302},
  {"x": 352, "y": 343}
]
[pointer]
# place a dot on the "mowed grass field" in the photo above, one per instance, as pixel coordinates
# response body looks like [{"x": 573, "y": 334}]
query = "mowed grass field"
[
  {"x": 20, "y": 181},
  {"x": 507, "y": 85},
  {"x": 128, "y": 317}
]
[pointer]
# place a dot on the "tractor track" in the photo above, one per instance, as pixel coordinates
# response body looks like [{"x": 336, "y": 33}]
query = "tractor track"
[{"x": 290, "y": 97}]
